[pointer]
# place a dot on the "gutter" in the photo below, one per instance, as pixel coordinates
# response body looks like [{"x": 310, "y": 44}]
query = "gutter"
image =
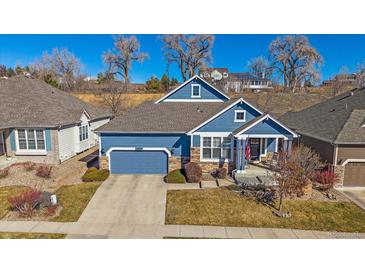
[{"x": 141, "y": 132}]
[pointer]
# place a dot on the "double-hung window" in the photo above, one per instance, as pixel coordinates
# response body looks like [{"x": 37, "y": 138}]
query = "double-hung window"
[
  {"x": 31, "y": 139},
  {"x": 83, "y": 133},
  {"x": 195, "y": 91},
  {"x": 240, "y": 116},
  {"x": 216, "y": 148}
]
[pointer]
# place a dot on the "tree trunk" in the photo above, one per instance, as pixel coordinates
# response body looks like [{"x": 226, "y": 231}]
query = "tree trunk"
[{"x": 281, "y": 201}]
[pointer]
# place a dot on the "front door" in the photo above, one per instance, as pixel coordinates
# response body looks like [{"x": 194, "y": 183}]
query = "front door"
[
  {"x": 2, "y": 144},
  {"x": 255, "y": 148}
]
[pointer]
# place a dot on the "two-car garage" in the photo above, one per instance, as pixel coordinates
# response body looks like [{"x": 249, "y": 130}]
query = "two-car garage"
[{"x": 139, "y": 161}]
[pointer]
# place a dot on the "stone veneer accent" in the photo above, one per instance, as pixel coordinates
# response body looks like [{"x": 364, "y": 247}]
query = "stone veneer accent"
[
  {"x": 177, "y": 162},
  {"x": 103, "y": 162},
  {"x": 208, "y": 167},
  {"x": 340, "y": 171}
]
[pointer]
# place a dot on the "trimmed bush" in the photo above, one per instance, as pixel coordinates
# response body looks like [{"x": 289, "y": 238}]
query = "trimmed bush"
[
  {"x": 4, "y": 173},
  {"x": 95, "y": 175},
  {"x": 44, "y": 171},
  {"x": 326, "y": 180},
  {"x": 193, "y": 172},
  {"x": 26, "y": 203},
  {"x": 176, "y": 177},
  {"x": 220, "y": 173}
]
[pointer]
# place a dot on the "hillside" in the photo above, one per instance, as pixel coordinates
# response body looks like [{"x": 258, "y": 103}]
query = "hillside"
[{"x": 276, "y": 103}]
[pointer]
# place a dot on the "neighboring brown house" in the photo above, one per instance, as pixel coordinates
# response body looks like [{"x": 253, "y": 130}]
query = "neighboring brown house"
[{"x": 336, "y": 130}]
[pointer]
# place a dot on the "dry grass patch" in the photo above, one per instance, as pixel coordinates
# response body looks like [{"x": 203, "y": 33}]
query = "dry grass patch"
[
  {"x": 20, "y": 235},
  {"x": 129, "y": 100},
  {"x": 226, "y": 208},
  {"x": 73, "y": 200},
  {"x": 5, "y": 193}
]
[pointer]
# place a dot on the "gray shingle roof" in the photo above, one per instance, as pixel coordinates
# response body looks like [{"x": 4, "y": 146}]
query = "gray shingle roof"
[
  {"x": 164, "y": 117},
  {"x": 337, "y": 120},
  {"x": 29, "y": 102}
]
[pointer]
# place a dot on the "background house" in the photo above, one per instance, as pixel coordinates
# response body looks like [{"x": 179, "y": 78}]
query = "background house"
[
  {"x": 40, "y": 123},
  {"x": 234, "y": 81}
]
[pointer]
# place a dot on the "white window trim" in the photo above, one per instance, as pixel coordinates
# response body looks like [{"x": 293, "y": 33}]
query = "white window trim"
[
  {"x": 214, "y": 160},
  {"x": 30, "y": 151},
  {"x": 240, "y": 111},
  {"x": 88, "y": 133},
  {"x": 192, "y": 90}
]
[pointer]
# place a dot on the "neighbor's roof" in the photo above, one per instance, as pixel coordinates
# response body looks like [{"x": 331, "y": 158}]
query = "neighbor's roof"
[
  {"x": 221, "y": 70},
  {"x": 167, "y": 117},
  {"x": 338, "y": 120},
  {"x": 27, "y": 102}
]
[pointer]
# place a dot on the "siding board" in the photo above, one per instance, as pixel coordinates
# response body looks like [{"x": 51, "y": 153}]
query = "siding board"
[
  {"x": 324, "y": 149},
  {"x": 206, "y": 92}
]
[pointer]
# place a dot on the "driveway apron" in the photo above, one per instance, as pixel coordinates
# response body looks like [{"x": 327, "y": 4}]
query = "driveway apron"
[{"x": 129, "y": 200}]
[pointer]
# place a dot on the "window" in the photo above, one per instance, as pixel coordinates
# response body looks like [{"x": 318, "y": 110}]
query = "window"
[
  {"x": 84, "y": 133},
  {"x": 31, "y": 139},
  {"x": 240, "y": 116},
  {"x": 216, "y": 148},
  {"x": 195, "y": 91}
]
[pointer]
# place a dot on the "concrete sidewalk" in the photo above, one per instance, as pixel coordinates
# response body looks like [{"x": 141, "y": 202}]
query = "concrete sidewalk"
[{"x": 140, "y": 231}]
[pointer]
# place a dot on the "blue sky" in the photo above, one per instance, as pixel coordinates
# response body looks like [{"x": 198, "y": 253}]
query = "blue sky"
[{"x": 231, "y": 51}]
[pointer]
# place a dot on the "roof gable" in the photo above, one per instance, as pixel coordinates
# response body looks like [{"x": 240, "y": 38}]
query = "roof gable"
[
  {"x": 224, "y": 119},
  {"x": 183, "y": 93},
  {"x": 264, "y": 124}
]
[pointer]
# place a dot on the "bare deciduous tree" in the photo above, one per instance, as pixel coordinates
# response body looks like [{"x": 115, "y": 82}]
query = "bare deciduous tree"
[
  {"x": 62, "y": 65},
  {"x": 295, "y": 60},
  {"x": 190, "y": 52},
  {"x": 112, "y": 97},
  {"x": 338, "y": 84},
  {"x": 295, "y": 171},
  {"x": 260, "y": 67},
  {"x": 126, "y": 51},
  {"x": 360, "y": 75}
]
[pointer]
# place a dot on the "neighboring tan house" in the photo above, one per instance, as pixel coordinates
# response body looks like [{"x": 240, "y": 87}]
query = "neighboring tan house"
[
  {"x": 336, "y": 130},
  {"x": 40, "y": 123},
  {"x": 194, "y": 122},
  {"x": 236, "y": 82}
]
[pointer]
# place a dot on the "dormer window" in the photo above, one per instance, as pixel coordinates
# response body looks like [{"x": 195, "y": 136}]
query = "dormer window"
[
  {"x": 195, "y": 91},
  {"x": 240, "y": 116}
]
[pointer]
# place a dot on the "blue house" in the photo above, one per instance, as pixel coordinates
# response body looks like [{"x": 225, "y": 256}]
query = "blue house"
[{"x": 194, "y": 122}]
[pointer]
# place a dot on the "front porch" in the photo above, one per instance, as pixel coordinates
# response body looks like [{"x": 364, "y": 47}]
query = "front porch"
[{"x": 256, "y": 154}]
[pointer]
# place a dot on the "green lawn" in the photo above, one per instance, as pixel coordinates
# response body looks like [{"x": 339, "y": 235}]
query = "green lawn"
[
  {"x": 74, "y": 199},
  {"x": 5, "y": 192},
  {"x": 225, "y": 208},
  {"x": 20, "y": 235}
]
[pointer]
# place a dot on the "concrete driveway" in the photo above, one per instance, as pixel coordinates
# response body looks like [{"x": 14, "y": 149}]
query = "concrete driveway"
[
  {"x": 357, "y": 195},
  {"x": 128, "y": 200}
]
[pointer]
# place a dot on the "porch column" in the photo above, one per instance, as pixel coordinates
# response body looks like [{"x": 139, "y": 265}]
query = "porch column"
[
  {"x": 285, "y": 145},
  {"x": 289, "y": 146},
  {"x": 240, "y": 157},
  {"x": 243, "y": 165},
  {"x": 238, "y": 154}
]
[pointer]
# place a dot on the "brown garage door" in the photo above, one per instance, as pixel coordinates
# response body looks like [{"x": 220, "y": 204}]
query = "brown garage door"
[{"x": 354, "y": 174}]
